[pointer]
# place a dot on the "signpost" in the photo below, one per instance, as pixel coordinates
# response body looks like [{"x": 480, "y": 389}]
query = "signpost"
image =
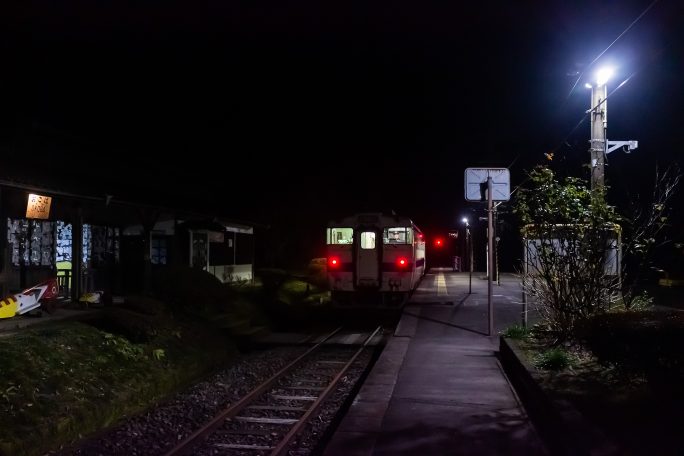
[
  {"x": 476, "y": 184},
  {"x": 488, "y": 184}
]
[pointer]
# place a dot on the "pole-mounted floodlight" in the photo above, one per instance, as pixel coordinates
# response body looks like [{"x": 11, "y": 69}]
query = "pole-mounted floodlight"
[
  {"x": 603, "y": 75},
  {"x": 465, "y": 220}
]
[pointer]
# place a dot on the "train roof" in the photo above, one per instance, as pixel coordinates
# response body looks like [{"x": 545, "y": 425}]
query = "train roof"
[{"x": 373, "y": 218}]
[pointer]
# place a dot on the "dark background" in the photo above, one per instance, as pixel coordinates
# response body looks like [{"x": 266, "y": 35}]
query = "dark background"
[{"x": 292, "y": 113}]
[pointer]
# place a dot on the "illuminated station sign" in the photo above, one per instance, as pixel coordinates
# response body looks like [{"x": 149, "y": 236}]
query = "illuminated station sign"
[{"x": 38, "y": 206}]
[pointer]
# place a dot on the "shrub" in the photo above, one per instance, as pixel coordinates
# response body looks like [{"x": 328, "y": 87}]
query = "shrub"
[
  {"x": 554, "y": 359},
  {"x": 516, "y": 332},
  {"x": 317, "y": 272},
  {"x": 197, "y": 292},
  {"x": 642, "y": 301},
  {"x": 143, "y": 305},
  {"x": 185, "y": 288},
  {"x": 272, "y": 278},
  {"x": 568, "y": 230},
  {"x": 643, "y": 342}
]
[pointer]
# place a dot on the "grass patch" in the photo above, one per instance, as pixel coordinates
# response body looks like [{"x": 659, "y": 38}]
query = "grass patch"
[
  {"x": 294, "y": 291},
  {"x": 553, "y": 359},
  {"x": 67, "y": 380},
  {"x": 517, "y": 332}
]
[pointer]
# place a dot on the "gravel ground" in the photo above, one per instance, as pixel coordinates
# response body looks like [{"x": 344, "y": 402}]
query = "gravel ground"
[{"x": 154, "y": 432}]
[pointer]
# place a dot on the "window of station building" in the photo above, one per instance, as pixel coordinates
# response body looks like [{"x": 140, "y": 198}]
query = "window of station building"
[
  {"x": 85, "y": 245},
  {"x": 158, "y": 250},
  {"x": 31, "y": 242},
  {"x": 63, "y": 246},
  {"x": 398, "y": 235},
  {"x": 45, "y": 243},
  {"x": 64, "y": 239},
  {"x": 100, "y": 245},
  {"x": 340, "y": 235},
  {"x": 105, "y": 245},
  {"x": 368, "y": 240}
]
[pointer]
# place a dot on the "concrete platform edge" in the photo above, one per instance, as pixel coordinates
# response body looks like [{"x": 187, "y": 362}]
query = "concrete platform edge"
[{"x": 358, "y": 431}]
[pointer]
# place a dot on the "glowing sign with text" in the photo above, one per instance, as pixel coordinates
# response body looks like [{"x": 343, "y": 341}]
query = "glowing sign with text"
[{"x": 38, "y": 206}]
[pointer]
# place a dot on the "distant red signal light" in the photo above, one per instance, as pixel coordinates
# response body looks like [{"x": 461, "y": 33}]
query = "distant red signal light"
[
  {"x": 402, "y": 262},
  {"x": 333, "y": 262},
  {"x": 438, "y": 242}
]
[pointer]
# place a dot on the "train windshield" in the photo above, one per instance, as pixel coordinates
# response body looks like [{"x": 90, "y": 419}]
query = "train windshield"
[
  {"x": 368, "y": 240},
  {"x": 398, "y": 235},
  {"x": 340, "y": 235}
]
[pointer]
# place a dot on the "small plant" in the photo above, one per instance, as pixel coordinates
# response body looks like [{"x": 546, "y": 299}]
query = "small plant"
[
  {"x": 642, "y": 301},
  {"x": 553, "y": 359},
  {"x": 123, "y": 347},
  {"x": 516, "y": 332}
]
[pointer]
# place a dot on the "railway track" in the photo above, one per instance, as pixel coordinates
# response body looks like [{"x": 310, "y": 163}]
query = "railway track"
[{"x": 269, "y": 418}]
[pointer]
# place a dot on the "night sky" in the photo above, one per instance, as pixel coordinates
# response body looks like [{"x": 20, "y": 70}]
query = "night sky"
[{"x": 291, "y": 113}]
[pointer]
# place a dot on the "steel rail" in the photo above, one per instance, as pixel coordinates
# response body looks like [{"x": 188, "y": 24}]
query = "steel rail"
[
  {"x": 283, "y": 445},
  {"x": 194, "y": 438}
]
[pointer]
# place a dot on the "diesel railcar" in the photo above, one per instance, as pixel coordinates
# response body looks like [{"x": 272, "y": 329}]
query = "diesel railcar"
[{"x": 374, "y": 259}]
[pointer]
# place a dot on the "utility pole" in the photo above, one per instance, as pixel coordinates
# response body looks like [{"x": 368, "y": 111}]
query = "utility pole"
[
  {"x": 496, "y": 245},
  {"x": 600, "y": 146},
  {"x": 490, "y": 235},
  {"x": 597, "y": 148},
  {"x": 469, "y": 252},
  {"x": 470, "y": 262}
]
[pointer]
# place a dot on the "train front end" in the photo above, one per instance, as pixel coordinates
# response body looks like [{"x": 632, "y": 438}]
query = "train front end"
[{"x": 374, "y": 260}]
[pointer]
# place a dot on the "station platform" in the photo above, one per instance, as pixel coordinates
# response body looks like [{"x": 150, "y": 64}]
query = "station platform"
[{"x": 438, "y": 388}]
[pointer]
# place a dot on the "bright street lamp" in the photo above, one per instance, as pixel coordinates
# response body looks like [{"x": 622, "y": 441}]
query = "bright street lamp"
[{"x": 603, "y": 75}]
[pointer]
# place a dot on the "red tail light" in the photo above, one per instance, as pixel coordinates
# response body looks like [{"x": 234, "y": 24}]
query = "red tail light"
[
  {"x": 402, "y": 263},
  {"x": 333, "y": 262}
]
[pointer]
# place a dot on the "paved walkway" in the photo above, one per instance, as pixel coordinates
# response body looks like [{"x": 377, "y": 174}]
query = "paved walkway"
[{"x": 438, "y": 388}]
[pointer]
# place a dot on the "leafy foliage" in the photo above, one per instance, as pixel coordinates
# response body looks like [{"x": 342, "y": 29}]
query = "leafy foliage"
[
  {"x": 569, "y": 232},
  {"x": 553, "y": 359},
  {"x": 516, "y": 332},
  {"x": 641, "y": 301}
]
